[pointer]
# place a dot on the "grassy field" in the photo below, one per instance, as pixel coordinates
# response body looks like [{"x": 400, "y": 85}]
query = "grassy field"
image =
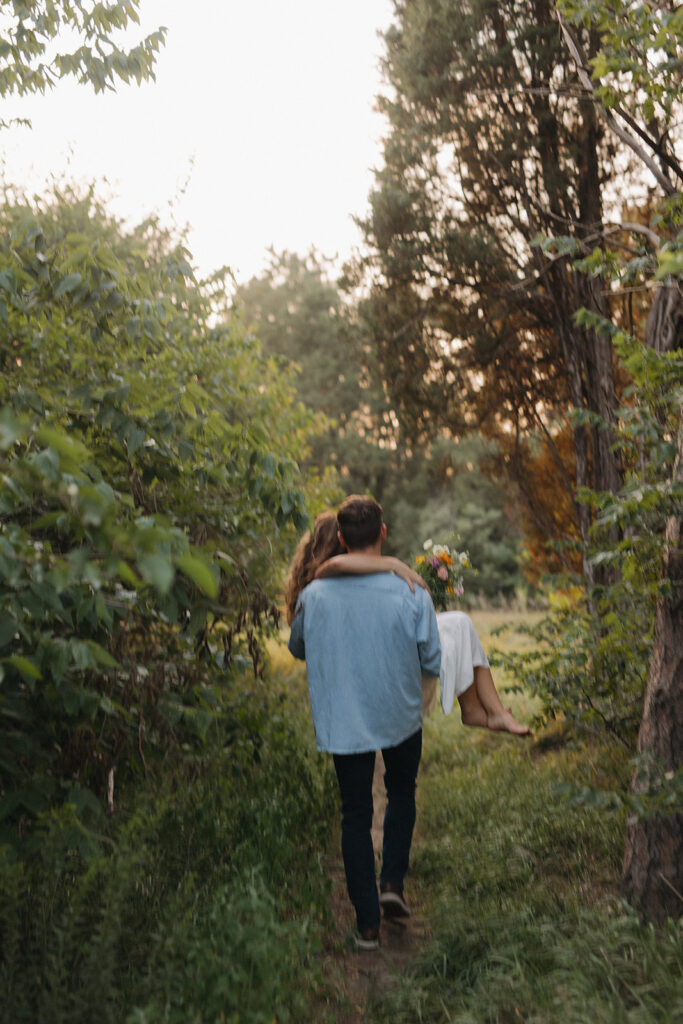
[
  {"x": 522, "y": 887},
  {"x": 211, "y": 898}
]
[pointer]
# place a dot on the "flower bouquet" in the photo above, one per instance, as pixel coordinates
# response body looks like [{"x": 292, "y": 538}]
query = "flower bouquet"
[{"x": 441, "y": 568}]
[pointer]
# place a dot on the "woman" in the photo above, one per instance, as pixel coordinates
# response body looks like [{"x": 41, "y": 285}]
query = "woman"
[{"x": 465, "y": 671}]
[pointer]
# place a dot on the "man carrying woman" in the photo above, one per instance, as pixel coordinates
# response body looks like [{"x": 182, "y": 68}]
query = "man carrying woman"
[{"x": 367, "y": 639}]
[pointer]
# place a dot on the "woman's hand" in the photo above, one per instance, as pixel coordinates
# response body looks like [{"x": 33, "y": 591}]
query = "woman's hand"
[{"x": 411, "y": 577}]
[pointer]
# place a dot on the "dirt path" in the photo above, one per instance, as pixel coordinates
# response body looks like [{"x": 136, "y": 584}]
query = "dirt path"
[{"x": 355, "y": 976}]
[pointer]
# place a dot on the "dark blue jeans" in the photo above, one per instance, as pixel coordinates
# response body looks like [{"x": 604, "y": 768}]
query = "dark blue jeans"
[{"x": 354, "y": 774}]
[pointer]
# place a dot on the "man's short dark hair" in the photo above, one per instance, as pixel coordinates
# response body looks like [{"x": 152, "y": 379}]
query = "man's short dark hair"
[{"x": 360, "y": 521}]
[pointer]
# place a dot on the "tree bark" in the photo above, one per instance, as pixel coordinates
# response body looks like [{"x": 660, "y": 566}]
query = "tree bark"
[
  {"x": 664, "y": 327},
  {"x": 653, "y": 862}
]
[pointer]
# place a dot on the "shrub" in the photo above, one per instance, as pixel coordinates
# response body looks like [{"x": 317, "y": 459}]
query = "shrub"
[{"x": 149, "y": 498}]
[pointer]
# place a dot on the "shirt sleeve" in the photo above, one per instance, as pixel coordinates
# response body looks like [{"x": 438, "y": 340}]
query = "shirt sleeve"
[
  {"x": 296, "y": 637},
  {"x": 428, "y": 644}
]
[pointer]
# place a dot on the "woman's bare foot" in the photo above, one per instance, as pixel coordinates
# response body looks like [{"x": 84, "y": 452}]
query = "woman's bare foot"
[{"x": 505, "y": 721}]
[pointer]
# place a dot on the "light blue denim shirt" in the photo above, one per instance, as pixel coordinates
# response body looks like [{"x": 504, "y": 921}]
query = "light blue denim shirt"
[{"x": 366, "y": 641}]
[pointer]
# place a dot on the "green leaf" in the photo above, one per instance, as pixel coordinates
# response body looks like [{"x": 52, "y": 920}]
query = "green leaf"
[
  {"x": 157, "y": 570},
  {"x": 187, "y": 405},
  {"x": 127, "y": 574},
  {"x": 82, "y": 799},
  {"x": 8, "y": 628},
  {"x": 269, "y": 465},
  {"x": 59, "y": 659},
  {"x": 11, "y": 429},
  {"x": 71, "y": 699},
  {"x": 29, "y": 671},
  {"x": 69, "y": 448},
  {"x": 102, "y": 656},
  {"x": 68, "y": 284},
  {"x": 47, "y": 462},
  {"x": 670, "y": 263},
  {"x": 8, "y": 280},
  {"x": 200, "y": 572},
  {"x": 134, "y": 437},
  {"x": 301, "y": 520}
]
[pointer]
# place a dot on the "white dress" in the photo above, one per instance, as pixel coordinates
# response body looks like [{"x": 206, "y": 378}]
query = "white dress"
[{"x": 461, "y": 652}]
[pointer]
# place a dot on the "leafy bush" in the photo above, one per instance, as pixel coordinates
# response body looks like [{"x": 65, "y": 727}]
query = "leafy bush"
[
  {"x": 588, "y": 666},
  {"x": 592, "y": 657},
  {"x": 149, "y": 497}
]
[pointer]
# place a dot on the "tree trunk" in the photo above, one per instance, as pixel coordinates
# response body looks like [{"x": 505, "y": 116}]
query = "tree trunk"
[
  {"x": 653, "y": 862},
  {"x": 595, "y": 345},
  {"x": 664, "y": 327}
]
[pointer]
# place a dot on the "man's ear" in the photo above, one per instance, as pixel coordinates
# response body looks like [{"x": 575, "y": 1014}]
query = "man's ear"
[
  {"x": 341, "y": 540},
  {"x": 383, "y": 532}
]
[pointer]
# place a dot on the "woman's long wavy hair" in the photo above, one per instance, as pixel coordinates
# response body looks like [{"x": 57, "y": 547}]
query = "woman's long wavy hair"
[{"x": 315, "y": 547}]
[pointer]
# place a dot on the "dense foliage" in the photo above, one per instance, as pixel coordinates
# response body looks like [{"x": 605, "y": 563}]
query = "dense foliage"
[
  {"x": 592, "y": 654},
  {"x": 301, "y": 316},
  {"x": 150, "y": 494},
  {"x": 149, "y": 484}
]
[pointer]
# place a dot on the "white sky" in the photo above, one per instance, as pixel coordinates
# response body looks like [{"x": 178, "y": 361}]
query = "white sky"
[{"x": 263, "y": 109}]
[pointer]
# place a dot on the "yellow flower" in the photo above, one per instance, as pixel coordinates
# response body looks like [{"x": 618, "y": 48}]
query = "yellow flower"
[{"x": 420, "y": 559}]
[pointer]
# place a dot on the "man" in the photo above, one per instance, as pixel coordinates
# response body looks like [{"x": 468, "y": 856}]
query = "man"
[{"x": 366, "y": 641}]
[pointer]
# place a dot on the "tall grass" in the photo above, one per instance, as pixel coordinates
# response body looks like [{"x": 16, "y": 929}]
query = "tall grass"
[
  {"x": 207, "y": 900},
  {"x": 522, "y": 891}
]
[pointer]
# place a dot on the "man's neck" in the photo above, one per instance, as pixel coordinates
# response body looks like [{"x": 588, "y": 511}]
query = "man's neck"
[{"x": 374, "y": 551}]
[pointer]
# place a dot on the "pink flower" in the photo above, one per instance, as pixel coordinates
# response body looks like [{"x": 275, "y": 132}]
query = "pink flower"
[{"x": 442, "y": 572}]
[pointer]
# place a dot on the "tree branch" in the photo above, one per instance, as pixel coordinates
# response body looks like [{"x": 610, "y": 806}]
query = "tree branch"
[
  {"x": 625, "y": 136},
  {"x": 635, "y": 229}
]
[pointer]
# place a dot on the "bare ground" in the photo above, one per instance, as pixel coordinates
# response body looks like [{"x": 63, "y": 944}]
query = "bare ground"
[{"x": 356, "y": 977}]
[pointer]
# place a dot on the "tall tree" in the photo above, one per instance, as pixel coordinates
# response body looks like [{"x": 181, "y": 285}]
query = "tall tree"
[
  {"x": 491, "y": 147},
  {"x": 634, "y": 80},
  {"x": 301, "y": 317}
]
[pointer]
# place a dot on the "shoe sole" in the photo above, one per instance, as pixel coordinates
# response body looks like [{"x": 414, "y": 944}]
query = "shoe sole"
[
  {"x": 393, "y": 905},
  {"x": 366, "y": 945}
]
